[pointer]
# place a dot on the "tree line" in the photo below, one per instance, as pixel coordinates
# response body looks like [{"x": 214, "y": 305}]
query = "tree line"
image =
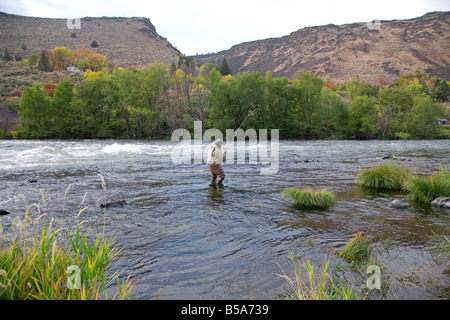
[
  {"x": 152, "y": 102},
  {"x": 60, "y": 58}
]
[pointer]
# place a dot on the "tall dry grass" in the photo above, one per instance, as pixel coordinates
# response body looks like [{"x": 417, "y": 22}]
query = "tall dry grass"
[{"x": 39, "y": 260}]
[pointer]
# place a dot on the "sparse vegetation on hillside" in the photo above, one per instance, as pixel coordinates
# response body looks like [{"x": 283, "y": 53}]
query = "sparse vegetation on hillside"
[
  {"x": 341, "y": 52},
  {"x": 126, "y": 41}
]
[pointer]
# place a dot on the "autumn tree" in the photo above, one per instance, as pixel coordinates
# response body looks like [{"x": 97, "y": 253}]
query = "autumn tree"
[
  {"x": 84, "y": 59},
  {"x": 61, "y": 58},
  {"x": 50, "y": 88}
]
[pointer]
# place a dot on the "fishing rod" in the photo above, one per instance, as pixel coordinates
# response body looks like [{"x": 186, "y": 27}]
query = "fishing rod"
[{"x": 232, "y": 139}]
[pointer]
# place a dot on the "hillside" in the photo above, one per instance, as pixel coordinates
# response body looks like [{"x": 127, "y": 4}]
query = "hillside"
[
  {"x": 126, "y": 41},
  {"x": 339, "y": 53}
]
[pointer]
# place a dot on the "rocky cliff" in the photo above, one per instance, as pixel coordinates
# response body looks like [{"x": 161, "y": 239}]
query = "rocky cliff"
[{"x": 339, "y": 53}]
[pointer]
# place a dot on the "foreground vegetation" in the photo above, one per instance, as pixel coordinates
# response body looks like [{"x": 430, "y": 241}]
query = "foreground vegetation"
[
  {"x": 153, "y": 101},
  {"x": 360, "y": 261},
  {"x": 319, "y": 286},
  {"x": 45, "y": 261}
]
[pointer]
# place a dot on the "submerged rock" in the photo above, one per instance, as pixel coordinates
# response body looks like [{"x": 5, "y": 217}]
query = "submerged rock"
[
  {"x": 113, "y": 203},
  {"x": 389, "y": 157},
  {"x": 442, "y": 202},
  {"x": 3, "y": 212},
  {"x": 400, "y": 204}
]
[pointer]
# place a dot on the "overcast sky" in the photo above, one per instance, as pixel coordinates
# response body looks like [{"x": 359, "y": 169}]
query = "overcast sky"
[{"x": 202, "y": 26}]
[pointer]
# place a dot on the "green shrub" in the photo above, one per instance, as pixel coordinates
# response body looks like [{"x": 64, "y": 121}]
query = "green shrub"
[
  {"x": 384, "y": 176},
  {"x": 426, "y": 189},
  {"x": 308, "y": 198}
]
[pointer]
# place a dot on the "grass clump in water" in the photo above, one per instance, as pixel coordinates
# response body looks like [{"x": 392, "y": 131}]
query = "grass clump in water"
[
  {"x": 308, "y": 198},
  {"x": 426, "y": 189},
  {"x": 358, "y": 250},
  {"x": 319, "y": 286},
  {"x": 384, "y": 176}
]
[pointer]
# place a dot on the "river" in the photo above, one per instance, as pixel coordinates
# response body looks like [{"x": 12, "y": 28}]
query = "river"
[{"x": 183, "y": 239}]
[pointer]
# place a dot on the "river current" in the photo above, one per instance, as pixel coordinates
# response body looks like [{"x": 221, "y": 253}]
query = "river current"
[{"x": 184, "y": 239}]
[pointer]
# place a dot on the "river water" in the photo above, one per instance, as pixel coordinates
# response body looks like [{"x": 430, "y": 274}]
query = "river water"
[{"x": 183, "y": 239}]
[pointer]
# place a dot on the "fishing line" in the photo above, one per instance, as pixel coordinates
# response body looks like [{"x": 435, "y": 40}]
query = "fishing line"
[{"x": 232, "y": 139}]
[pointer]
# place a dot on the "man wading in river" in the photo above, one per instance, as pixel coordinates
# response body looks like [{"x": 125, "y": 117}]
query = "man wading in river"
[{"x": 215, "y": 158}]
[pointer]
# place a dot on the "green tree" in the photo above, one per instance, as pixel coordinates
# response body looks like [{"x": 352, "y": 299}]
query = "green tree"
[
  {"x": 441, "y": 91},
  {"x": 224, "y": 68},
  {"x": 32, "y": 60},
  {"x": 356, "y": 88},
  {"x": 187, "y": 64},
  {"x": 141, "y": 96},
  {"x": 65, "y": 120},
  {"x": 279, "y": 107},
  {"x": 363, "y": 118},
  {"x": 423, "y": 119},
  {"x": 394, "y": 104},
  {"x": 44, "y": 63},
  {"x": 334, "y": 117},
  {"x": 6, "y": 56},
  {"x": 35, "y": 112},
  {"x": 233, "y": 99},
  {"x": 306, "y": 91},
  {"x": 94, "y": 102}
]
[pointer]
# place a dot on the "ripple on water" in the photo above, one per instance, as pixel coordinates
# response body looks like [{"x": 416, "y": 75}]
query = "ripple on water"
[{"x": 184, "y": 239}]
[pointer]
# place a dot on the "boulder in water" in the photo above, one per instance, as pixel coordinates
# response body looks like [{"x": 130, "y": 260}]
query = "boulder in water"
[
  {"x": 400, "y": 204},
  {"x": 3, "y": 212},
  {"x": 113, "y": 203},
  {"x": 442, "y": 202}
]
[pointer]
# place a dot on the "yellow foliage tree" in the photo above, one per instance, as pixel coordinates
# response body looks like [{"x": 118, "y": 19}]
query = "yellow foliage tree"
[
  {"x": 84, "y": 59},
  {"x": 61, "y": 58}
]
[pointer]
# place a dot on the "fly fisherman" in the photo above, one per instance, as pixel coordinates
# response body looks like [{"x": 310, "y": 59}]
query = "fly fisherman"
[{"x": 215, "y": 158}]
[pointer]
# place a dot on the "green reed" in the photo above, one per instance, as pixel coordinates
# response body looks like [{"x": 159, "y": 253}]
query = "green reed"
[
  {"x": 308, "y": 198},
  {"x": 318, "y": 286},
  {"x": 426, "y": 189},
  {"x": 384, "y": 176},
  {"x": 35, "y": 262}
]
